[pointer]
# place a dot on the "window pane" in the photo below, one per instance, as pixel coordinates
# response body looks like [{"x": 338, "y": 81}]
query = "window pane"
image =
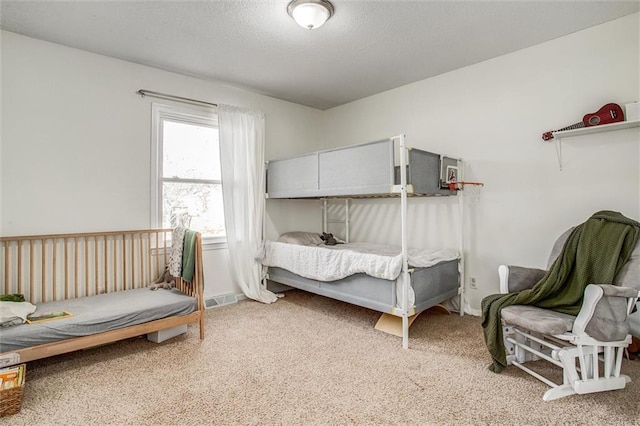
[
  {"x": 190, "y": 151},
  {"x": 199, "y": 203}
]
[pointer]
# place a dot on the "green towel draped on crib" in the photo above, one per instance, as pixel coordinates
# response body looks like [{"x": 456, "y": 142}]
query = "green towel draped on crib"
[{"x": 189, "y": 255}]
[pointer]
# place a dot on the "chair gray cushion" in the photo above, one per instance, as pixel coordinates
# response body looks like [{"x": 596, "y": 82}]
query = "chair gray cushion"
[
  {"x": 536, "y": 319},
  {"x": 557, "y": 247},
  {"x": 609, "y": 322},
  {"x": 629, "y": 275},
  {"x": 521, "y": 278},
  {"x": 634, "y": 324},
  {"x": 607, "y": 304}
]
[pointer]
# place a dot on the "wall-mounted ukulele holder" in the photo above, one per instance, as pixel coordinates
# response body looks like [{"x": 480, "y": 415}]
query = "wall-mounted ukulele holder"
[{"x": 608, "y": 118}]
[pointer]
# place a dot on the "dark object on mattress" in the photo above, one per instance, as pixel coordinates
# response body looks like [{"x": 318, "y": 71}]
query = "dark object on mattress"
[{"x": 329, "y": 239}]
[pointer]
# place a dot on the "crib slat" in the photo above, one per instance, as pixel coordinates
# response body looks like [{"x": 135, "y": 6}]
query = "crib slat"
[
  {"x": 115, "y": 273},
  {"x": 66, "y": 267},
  {"x": 96, "y": 267},
  {"x": 6, "y": 267},
  {"x": 31, "y": 286},
  {"x": 157, "y": 251},
  {"x": 20, "y": 267},
  {"x": 124, "y": 263},
  {"x": 141, "y": 277},
  {"x": 55, "y": 269},
  {"x": 43, "y": 296},
  {"x": 149, "y": 257},
  {"x": 75, "y": 267},
  {"x": 133, "y": 263},
  {"x": 95, "y": 257},
  {"x": 86, "y": 267}
]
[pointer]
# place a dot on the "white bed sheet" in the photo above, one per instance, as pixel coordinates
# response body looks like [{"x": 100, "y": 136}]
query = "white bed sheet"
[{"x": 330, "y": 263}]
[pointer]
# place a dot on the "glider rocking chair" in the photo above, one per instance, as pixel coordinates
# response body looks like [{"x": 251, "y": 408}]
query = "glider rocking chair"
[{"x": 588, "y": 347}]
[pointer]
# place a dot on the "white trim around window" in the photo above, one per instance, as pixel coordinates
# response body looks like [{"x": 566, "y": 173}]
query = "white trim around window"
[{"x": 189, "y": 115}]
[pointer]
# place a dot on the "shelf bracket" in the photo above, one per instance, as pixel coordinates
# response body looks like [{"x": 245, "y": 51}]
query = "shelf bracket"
[{"x": 559, "y": 151}]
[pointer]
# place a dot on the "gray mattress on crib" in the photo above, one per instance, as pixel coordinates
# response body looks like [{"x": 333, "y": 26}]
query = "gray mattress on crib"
[{"x": 96, "y": 314}]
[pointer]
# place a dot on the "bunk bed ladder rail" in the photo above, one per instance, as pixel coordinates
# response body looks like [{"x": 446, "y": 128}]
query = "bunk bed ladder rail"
[{"x": 326, "y": 220}]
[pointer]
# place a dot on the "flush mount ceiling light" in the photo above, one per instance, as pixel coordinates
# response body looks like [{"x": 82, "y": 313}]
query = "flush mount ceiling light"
[{"x": 310, "y": 14}]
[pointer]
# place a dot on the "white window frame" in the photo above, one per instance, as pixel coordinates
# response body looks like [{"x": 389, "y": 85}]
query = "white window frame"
[{"x": 191, "y": 115}]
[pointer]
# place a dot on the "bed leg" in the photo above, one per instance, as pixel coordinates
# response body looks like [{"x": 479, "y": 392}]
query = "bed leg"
[{"x": 405, "y": 331}]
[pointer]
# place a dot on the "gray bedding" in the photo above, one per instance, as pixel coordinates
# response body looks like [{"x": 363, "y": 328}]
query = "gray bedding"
[
  {"x": 97, "y": 314},
  {"x": 430, "y": 286}
]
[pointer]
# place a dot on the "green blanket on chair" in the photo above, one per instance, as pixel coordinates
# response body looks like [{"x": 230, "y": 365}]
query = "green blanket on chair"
[{"x": 594, "y": 253}]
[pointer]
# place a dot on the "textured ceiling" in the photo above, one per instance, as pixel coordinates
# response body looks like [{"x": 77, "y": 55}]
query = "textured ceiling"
[{"x": 367, "y": 47}]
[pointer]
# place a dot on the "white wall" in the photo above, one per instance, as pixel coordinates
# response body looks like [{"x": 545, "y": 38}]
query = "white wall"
[
  {"x": 75, "y": 145},
  {"x": 492, "y": 115},
  {"x": 76, "y": 141}
]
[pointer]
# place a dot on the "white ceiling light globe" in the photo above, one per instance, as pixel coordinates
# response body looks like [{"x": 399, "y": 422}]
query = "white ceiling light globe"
[{"x": 310, "y": 14}]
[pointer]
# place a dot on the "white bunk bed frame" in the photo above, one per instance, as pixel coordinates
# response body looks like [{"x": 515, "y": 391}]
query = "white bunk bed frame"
[{"x": 403, "y": 190}]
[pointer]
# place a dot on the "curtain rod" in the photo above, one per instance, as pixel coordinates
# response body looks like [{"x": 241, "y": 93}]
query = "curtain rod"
[{"x": 144, "y": 93}]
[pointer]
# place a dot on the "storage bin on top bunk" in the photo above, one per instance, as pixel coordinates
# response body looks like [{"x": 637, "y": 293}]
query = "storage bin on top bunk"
[{"x": 366, "y": 170}]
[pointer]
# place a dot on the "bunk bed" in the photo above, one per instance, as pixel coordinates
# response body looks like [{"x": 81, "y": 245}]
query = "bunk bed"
[{"x": 385, "y": 168}]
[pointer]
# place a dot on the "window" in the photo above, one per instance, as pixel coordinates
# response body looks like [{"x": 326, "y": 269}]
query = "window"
[{"x": 186, "y": 178}]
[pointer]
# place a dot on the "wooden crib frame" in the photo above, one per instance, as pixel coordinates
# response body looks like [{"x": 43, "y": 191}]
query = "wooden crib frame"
[{"x": 54, "y": 267}]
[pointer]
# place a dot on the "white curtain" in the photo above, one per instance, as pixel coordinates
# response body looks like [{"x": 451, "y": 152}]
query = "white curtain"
[{"x": 242, "y": 161}]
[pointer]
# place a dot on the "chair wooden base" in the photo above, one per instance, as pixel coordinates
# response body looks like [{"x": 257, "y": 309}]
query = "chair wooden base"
[{"x": 588, "y": 366}]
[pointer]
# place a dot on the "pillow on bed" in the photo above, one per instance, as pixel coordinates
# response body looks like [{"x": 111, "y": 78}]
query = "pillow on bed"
[
  {"x": 301, "y": 238},
  {"x": 14, "y": 313}
]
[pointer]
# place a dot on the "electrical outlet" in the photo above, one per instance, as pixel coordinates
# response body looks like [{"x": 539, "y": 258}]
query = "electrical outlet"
[{"x": 472, "y": 283}]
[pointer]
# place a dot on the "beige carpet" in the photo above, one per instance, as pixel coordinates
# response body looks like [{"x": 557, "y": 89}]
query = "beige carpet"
[{"x": 305, "y": 360}]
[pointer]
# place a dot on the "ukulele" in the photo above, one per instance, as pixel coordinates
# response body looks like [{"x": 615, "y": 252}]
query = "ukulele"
[{"x": 610, "y": 113}]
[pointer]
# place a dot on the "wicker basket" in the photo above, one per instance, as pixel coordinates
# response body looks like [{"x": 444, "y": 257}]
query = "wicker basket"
[{"x": 11, "y": 399}]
